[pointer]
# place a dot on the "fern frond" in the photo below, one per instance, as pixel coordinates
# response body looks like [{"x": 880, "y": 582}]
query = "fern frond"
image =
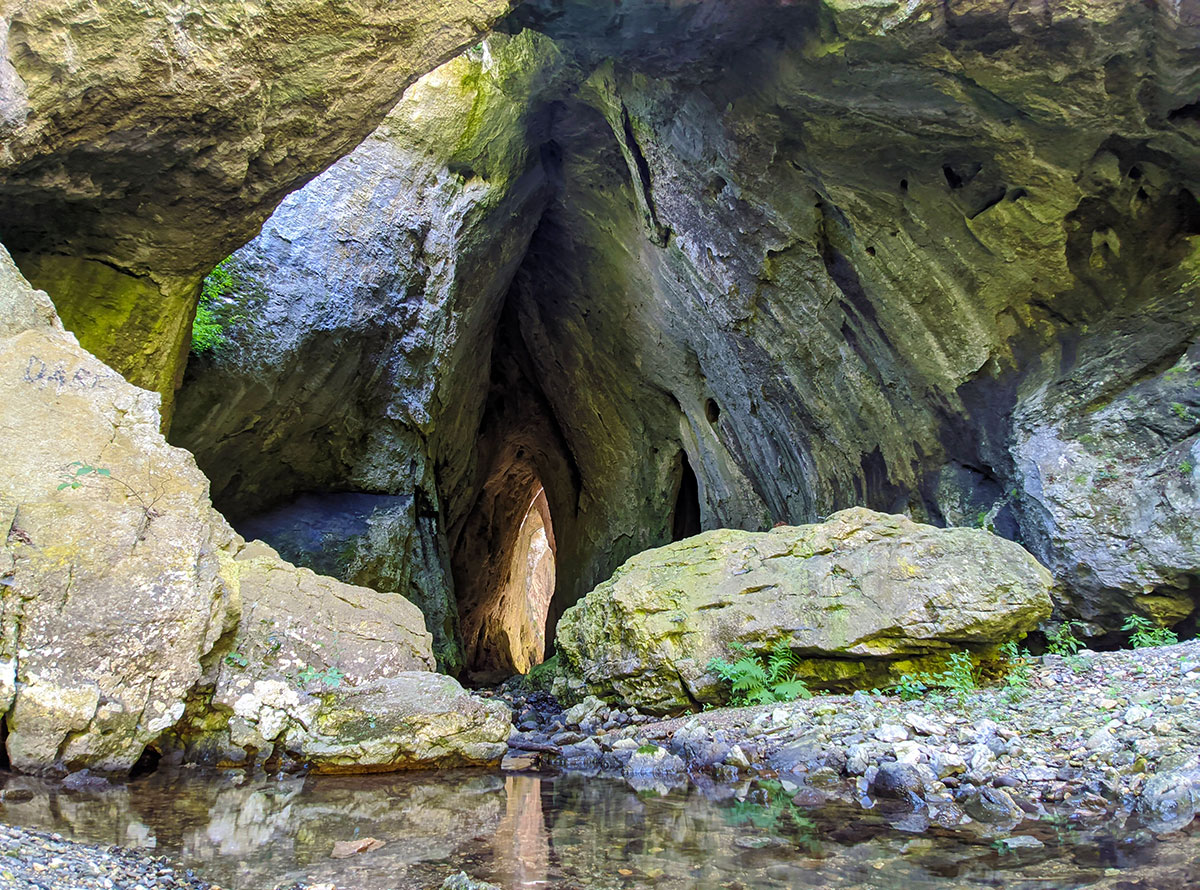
[
  {"x": 782, "y": 662},
  {"x": 721, "y": 668},
  {"x": 790, "y": 690},
  {"x": 748, "y": 674}
]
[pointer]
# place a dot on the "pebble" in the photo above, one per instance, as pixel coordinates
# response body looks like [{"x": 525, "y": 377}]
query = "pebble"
[
  {"x": 29, "y": 858},
  {"x": 1086, "y": 738}
]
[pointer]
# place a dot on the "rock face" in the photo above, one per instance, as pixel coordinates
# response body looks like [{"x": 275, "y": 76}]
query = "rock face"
[
  {"x": 1110, "y": 472},
  {"x": 854, "y": 596},
  {"x": 359, "y": 357},
  {"x": 140, "y": 144},
  {"x": 119, "y": 584},
  {"x": 109, "y": 563},
  {"x": 928, "y": 258}
]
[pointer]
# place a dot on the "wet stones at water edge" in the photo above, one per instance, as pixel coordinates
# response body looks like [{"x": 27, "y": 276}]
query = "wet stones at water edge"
[
  {"x": 1096, "y": 737},
  {"x": 35, "y": 859}
]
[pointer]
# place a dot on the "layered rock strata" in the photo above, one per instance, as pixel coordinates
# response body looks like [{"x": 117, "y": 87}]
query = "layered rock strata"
[{"x": 789, "y": 258}]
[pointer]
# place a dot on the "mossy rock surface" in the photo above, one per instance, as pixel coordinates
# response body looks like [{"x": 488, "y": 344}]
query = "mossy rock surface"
[{"x": 855, "y": 596}]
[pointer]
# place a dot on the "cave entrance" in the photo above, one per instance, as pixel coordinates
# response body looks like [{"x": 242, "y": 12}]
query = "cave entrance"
[
  {"x": 529, "y": 586},
  {"x": 506, "y": 566}
]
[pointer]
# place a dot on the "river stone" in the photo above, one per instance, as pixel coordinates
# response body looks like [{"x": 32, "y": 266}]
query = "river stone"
[
  {"x": 412, "y": 720},
  {"x": 993, "y": 806},
  {"x": 1171, "y": 798},
  {"x": 899, "y": 781},
  {"x": 111, "y": 592},
  {"x": 859, "y": 589}
]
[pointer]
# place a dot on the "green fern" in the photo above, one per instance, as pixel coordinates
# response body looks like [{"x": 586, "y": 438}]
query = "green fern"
[{"x": 754, "y": 681}]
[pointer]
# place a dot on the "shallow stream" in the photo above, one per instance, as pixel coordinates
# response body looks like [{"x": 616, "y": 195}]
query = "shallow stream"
[{"x": 578, "y": 831}]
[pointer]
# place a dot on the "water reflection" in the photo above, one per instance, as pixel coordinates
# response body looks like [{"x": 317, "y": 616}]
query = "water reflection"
[{"x": 574, "y": 831}]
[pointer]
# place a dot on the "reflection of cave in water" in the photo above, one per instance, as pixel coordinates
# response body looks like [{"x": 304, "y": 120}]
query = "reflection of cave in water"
[
  {"x": 569, "y": 831},
  {"x": 521, "y": 842}
]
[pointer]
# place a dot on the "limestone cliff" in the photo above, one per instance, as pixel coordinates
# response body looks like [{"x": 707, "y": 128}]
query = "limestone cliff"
[{"x": 747, "y": 263}]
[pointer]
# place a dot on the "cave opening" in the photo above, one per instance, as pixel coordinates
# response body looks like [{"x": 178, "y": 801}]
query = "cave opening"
[
  {"x": 685, "y": 520},
  {"x": 510, "y": 581}
]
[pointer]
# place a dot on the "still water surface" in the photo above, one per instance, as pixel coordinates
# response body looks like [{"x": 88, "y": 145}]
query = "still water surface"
[{"x": 578, "y": 831}]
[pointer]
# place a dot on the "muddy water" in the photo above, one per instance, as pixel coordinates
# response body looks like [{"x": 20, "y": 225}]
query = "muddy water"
[{"x": 578, "y": 831}]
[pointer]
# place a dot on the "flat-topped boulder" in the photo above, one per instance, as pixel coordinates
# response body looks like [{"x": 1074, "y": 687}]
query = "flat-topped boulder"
[{"x": 861, "y": 598}]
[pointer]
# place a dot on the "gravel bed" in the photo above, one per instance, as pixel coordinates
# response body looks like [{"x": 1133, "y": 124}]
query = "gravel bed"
[
  {"x": 37, "y": 860},
  {"x": 1092, "y": 736}
]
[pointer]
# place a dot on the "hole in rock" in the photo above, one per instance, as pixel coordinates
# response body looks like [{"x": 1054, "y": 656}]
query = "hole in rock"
[
  {"x": 147, "y": 763},
  {"x": 1189, "y": 112},
  {"x": 504, "y": 624},
  {"x": 712, "y": 410},
  {"x": 685, "y": 521}
]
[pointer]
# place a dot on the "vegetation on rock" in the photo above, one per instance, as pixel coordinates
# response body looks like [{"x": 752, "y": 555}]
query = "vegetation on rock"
[
  {"x": 758, "y": 680},
  {"x": 208, "y": 327},
  {"x": 1145, "y": 633}
]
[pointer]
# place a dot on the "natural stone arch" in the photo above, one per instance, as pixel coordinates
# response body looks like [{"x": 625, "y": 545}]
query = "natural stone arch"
[{"x": 140, "y": 146}]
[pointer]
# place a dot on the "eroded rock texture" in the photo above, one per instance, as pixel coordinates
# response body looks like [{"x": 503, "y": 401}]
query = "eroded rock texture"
[
  {"x": 140, "y": 143},
  {"x": 862, "y": 598},
  {"x": 133, "y": 617},
  {"x": 110, "y": 585},
  {"x": 721, "y": 264}
]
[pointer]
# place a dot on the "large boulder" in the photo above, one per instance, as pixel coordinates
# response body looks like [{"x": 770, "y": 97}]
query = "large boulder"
[
  {"x": 1110, "y": 477},
  {"x": 131, "y": 614},
  {"x": 857, "y": 596},
  {"x": 369, "y": 540},
  {"x": 411, "y": 720},
  {"x": 332, "y": 676},
  {"x": 110, "y": 583}
]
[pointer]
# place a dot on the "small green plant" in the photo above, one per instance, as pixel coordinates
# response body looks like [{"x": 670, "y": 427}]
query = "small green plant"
[
  {"x": 1062, "y": 640},
  {"x": 647, "y": 749},
  {"x": 541, "y": 676},
  {"x": 754, "y": 681},
  {"x": 958, "y": 678},
  {"x": 330, "y": 677},
  {"x": 208, "y": 328},
  {"x": 236, "y": 660},
  {"x": 77, "y": 473},
  {"x": 1185, "y": 467},
  {"x": 911, "y": 687},
  {"x": 1180, "y": 410},
  {"x": 1146, "y": 633},
  {"x": 1020, "y": 671}
]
